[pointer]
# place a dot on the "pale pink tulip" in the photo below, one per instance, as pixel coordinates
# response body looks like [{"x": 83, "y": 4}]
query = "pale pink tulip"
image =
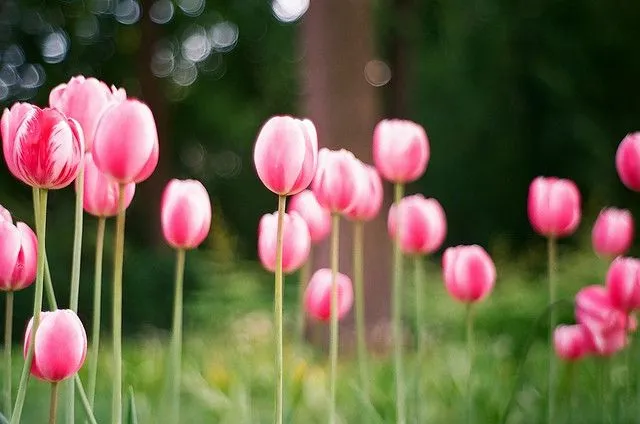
[
  {"x": 368, "y": 204},
  {"x": 42, "y": 147},
  {"x": 623, "y": 283},
  {"x": 469, "y": 273},
  {"x": 318, "y": 218},
  {"x": 554, "y": 206},
  {"x": 125, "y": 145},
  {"x": 186, "y": 213},
  {"x": 60, "y": 345},
  {"x": 572, "y": 342},
  {"x": 400, "y": 150},
  {"x": 340, "y": 180},
  {"x": 296, "y": 242},
  {"x": 85, "y": 100},
  {"x": 286, "y": 154},
  {"x": 628, "y": 161},
  {"x": 317, "y": 296},
  {"x": 18, "y": 253},
  {"x": 101, "y": 192},
  {"x": 613, "y": 232},
  {"x": 423, "y": 224}
]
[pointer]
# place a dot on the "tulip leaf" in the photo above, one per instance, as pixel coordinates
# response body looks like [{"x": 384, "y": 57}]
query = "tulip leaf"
[
  {"x": 132, "y": 415},
  {"x": 3, "y": 420}
]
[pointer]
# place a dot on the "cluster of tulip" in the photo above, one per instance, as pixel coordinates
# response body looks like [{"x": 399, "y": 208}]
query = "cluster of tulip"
[{"x": 104, "y": 143}]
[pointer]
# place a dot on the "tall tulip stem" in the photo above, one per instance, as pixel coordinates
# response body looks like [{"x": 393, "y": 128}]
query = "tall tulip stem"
[
  {"x": 41, "y": 229},
  {"x": 8, "y": 327},
  {"x": 278, "y": 311},
  {"x": 418, "y": 276},
  {"x": 334, "y": 335},
  {"x": 305, "y": 275},
  {"x": 118, "y": 262},
  {"x": 397, "y": 314},
  {"x": 176, "y": 338},
  {"x": 552, "y": 263},
  {"x": 471, "y": 354},
  {"x": 358, "y": 277},
  {"x": 53, "y": 404},
  {"x": 97, "y": 309}
]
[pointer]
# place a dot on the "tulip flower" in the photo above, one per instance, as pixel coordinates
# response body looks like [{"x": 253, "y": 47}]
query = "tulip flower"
[
  {"x": 101, "y": 192},
  {"x": 469, "y": 273},
  {"x": 85, "y": 100},
  {"x": 340, "y": 180},
  {"x": 623, "y": 283},
  {"x": 554, "y": 206},
  {"x": 572, "y": 342},
  {"x": 317, "y": 217},
  {"x": 424, "y": 225},
  {"x": 369, "y": 201},
  {"x": 400, "y": 150},
  {"x": 607, "y": 324},
  {"x": 613, "y": 232},
  {"x": 628, "y": 161},
  {"x": 318, "y": 295},
  {"x": 296, "y": 242}
]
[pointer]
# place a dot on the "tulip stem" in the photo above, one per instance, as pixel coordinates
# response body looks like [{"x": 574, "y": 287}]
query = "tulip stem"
[
  {"x": 305, "y": 274},
  {"x": 118, "y": 262},
  {"x": 397, "y": 313},
  {"x": 176, "y": 340},
  {"x": 602, "y": 388},
  {"x": 471, "y": 353},
  {"x": 53, "y": 405},
  {"x": 334, "y": 335},
  {"x": 418, "y": 276},
  {"x": 48, "y": 285},
  {"x": 41, "y": 229},
  {"x": 8, "y": 327},
  {"x": 279, "y": 415},
  {"x": 358, "y": 277},
  {"x": 552, "y": 263},
  {"x": 97, "y": 305}
]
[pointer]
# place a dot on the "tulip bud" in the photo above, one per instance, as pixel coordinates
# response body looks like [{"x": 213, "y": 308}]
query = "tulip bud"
[
  {"x": 340, "y": 180},
  {"x": 317, "y": 296},
  {"x": 186, "y": 213},
  {"x": 469, "y": 273},
  {"x": 572, "y": 342},
  {"x": 613, "y": 232},
  {"x": 369, "y": 201},
  {"x": 18, "y": 253},
  {"x": 423, "y": 223},
  {"x": 400, "y": 150},
  {"x": 296, "y": 243},
  {"x": 101, "y": 192},
  {"x": 623, "y": 284},
  {"x": 628, "y": 161},
  {"x": 318, "y": 218},
  {"x": 554, "y": 206}
]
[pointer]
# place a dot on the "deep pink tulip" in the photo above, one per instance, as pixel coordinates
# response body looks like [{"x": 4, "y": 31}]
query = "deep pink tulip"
[
  {"x": 42, "y": 147},
  {"x": 186, "y": 213},
  {"x": 286, "y": 154},
  {"x": 318, "y": 218},
  {"x": 85, "y": 100},
  {"x": 628, "y": 161},
  {"x": 18, "y": 253},
  {"x": 623, "y": 283},
  {"x": 368, "y": 204},
  {"x": 469, "y": 273},
  {"x": 340, "y": 180},
  {"x": 607, "y": 324},
  {"x": 60, "y": 345},
  {"x": 572, "y": 342},
  {"x": 424, "y": 224},
  {"x": 613, "y": 232},
  {"x": 125, "y": 145},
  {"x": 295, "y": 246},
  {"x": 101, "y": 192},
  {"x": 317, "y": 296},
  {"x": 554, "y": 206},
  {"x": 400, "y": 150}
]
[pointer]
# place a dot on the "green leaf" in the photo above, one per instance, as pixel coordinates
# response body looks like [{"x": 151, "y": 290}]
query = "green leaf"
[
  {"x": 3, "y": 420},
  {"x": 132, "y": 415}
]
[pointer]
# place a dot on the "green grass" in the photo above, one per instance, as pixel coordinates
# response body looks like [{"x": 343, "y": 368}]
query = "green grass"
[{"x": 228, "y": 364}]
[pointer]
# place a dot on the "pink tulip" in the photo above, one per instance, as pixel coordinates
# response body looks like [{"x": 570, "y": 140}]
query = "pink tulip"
[
  {"x": 60, "y": 345},
  {"x": 400, "y": 150},
  {"x": 340, "y": 180},
  {"x": 18, "y": 253},
  {"x": 101, "y": 192},
  {"x": 424, "y": 225},
  {"x": 186, "y": 213},
  {"x": 572, "y": 342},
  {"x": 623, "y": 283},
  {"x": 296, "y": 242},
  {"x": 286, "y": 154},
  {"x": 628, "y": 161},
  {"x": 85, "y": 100},
  {"x": 368, "y": 204},
  {"x": 125, "y": 145},
  {"x": 317, "y": 296},
  {"x": 469, "y": 273},
  {"x": 554, "y": 206},
  {"x": 613, "y": 232},
  {"x": 41, "y": 147},
  {"x": 318, "y": 218}
]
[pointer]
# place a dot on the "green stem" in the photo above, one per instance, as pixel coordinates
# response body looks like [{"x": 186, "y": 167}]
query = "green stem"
[
  {"x": 602, "y": 388},
  {"x": 571, "y": 384},
  {"x": 48, "y": 285},
  {"x": 551, "y": 251},
  {"x": 358, "y": 278},
  {"x": 279, "y": 413},
  {"x": 118, "y": 262},
  {"x": 418, "y": 276},
  {"x": 69, "y": 385},
  {"x": 8, "y": 327},
  {"x": 97, "y": 307},
  {"x": 53, "y": 405},
  {"x": 176, "y": 341},
  {"x": 334, "y": 336},
  {"x": 397, "y": 313},
  {"x": 41, "y": 229},
  {"x": 305, "y": 275},
  {"x": 471, "y": 353},
  {"x": 83, "y": 399}
]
